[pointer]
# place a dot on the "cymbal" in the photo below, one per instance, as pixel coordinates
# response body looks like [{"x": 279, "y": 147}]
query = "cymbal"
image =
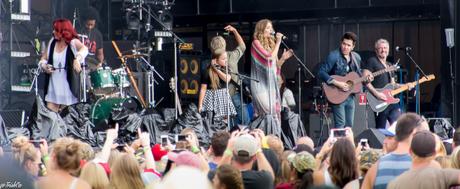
[
  {"x": 132, "y": 56},
  {"x": 137, "y": 49}
]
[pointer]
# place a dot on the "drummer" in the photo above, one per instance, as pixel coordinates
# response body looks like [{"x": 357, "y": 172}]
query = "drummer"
[{"x": 92, "y": 38}]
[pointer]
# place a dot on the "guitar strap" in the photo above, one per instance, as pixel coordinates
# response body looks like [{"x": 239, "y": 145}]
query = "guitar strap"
[{"x": 354, "y": 60}]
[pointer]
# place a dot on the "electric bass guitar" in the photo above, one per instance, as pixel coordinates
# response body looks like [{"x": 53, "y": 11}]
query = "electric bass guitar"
[
  {"x": 336, "y": 95},
  {"x": 378, "y": 105}
]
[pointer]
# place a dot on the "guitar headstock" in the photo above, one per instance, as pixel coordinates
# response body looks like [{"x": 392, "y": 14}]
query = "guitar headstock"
[
  {"x": 393, "y": 68},
  {"x": 428, "y": 78}
]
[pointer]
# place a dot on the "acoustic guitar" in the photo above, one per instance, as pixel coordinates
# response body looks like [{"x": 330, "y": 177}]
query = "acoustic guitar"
[{"x": 336, "y": 95}]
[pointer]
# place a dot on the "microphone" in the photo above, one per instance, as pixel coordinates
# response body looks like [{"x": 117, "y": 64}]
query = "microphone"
[
  {"x": 219, "y": 67},
  {"x": 274, "y": 35},
  {"x": 405, "y": 49}
]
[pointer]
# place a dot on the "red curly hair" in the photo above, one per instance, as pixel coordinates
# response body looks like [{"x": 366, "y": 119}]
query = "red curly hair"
[{"x": 64, "y": 30}]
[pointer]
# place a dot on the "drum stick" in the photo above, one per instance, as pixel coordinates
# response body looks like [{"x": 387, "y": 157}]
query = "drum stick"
[{"x": 131, "y": 78}]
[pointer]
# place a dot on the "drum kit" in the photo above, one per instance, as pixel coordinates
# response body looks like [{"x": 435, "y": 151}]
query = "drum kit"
[{"x": 108, "y": 90}]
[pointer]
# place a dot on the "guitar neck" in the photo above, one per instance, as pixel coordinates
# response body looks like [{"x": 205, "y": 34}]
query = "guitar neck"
[
  {"x": 377, "y": 73},
  {"x": 406, "y": 86}
]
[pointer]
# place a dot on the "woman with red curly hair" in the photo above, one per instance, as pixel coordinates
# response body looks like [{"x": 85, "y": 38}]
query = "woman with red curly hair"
[{"x": 62, "y": 64}]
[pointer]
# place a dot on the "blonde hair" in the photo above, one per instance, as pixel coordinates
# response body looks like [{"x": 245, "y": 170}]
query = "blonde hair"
[
  {"x": 276, "y": 145},
  {"x": 268, "y": 43},
  {"x": 213, "y": 77},
  {"x": 24, "y": 151},
  {"x": 440, "y": 148},
  {"x": 217, "y": 43},
  {"x": 88, "y": 152},
  {"x": 114, "y": 155},
  {"x": 94, "y": 174},
  {"x": 455, "y": 158},
  {"x": 67, "y": 153},
  {"x": 284, "y": 174},
  {"x": 444, "y": 161},
  {"x": 126, "y": 173}
]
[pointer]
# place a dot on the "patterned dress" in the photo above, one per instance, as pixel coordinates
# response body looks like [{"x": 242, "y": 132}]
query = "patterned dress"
[
  {"x": 217, "y": 101},
  {"x": 265, "y": 93}
]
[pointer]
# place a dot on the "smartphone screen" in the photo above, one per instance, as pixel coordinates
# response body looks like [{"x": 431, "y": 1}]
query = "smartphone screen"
[
  {"x": 339, "y": 132},
  {"x": 181, "y": 137},
  {"x": 36, "y": 143},
  {"x": 164, "y": 140}
]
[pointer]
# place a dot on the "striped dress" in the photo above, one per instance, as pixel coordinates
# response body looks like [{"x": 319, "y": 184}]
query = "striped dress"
[
  {"x": 389, "y": 167},
  {"x": 265, "y": 93}
]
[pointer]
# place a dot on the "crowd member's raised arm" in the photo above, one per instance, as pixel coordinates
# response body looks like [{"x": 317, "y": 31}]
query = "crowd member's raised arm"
[
  {"x": 228, "y": 153},
  {"x": 262, "y": 162},
  {"x": 145, "y": 141},
  {"x": 111, "y": 135}
]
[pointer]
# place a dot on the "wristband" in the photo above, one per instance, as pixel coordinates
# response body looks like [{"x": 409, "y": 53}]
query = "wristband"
[
  {"x": 228, "y": 152},
  {"x": 146, "y": 149},
  {"x": 195, "y": 150},
  {"x": 45, "y": 158}
]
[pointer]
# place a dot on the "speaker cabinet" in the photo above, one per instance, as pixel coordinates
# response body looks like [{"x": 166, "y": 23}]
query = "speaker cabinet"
[{"x": 189, "y": 76}]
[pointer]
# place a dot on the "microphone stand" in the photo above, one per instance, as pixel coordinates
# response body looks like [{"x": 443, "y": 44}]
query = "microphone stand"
[
  {"x": 242, "y": 77},
  {"x": 417, "y": 88},
  {"x": 300, "y": 65},
  {"x": 151, "y": 91},
  {"x": 175, "y": 40},
  {"x": 35, "y": 80}
]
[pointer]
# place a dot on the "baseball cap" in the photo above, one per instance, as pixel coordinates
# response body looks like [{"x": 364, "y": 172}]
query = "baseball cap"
[
  {"x": 423, "y": 144},
  {"x": 157, "y": 152},
  {"x": 390, "y": 131},
  {"x": 245, "y": 146},
  {"x": 369, "y": 157},
  {"x": 185, "y": 158},
  {"x": 303, "y": 161}
]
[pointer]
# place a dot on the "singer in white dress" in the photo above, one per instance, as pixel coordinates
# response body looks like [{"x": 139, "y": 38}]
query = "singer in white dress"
[{"x": 62, "y": 64}]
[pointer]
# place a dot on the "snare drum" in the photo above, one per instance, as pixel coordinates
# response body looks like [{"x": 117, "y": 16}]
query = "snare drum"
[{"x": 102, "y": 81}]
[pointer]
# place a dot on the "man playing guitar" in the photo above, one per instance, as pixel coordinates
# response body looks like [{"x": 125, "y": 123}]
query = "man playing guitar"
[
  {"x": 376, "y": 63},
  {"x": 340, "y": 62}
]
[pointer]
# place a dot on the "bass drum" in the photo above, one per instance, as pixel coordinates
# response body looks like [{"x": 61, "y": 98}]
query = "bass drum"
[{"x": 102, "y": 109}]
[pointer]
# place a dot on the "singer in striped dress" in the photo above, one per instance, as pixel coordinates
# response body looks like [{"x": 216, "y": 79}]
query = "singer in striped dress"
[
  {"x": 266, "y": 67},
  {"x": 214, "y": 96}
]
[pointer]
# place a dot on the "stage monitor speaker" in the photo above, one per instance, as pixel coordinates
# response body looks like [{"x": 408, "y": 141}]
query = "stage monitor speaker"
[
  {"x": 13, "y": 118},
  {"x": 314, "y": 127},
  {"x": 374, "y": 138}
]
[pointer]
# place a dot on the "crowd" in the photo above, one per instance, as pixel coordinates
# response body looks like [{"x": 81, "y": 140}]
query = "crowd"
[{"x": 412, "y": 157}]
